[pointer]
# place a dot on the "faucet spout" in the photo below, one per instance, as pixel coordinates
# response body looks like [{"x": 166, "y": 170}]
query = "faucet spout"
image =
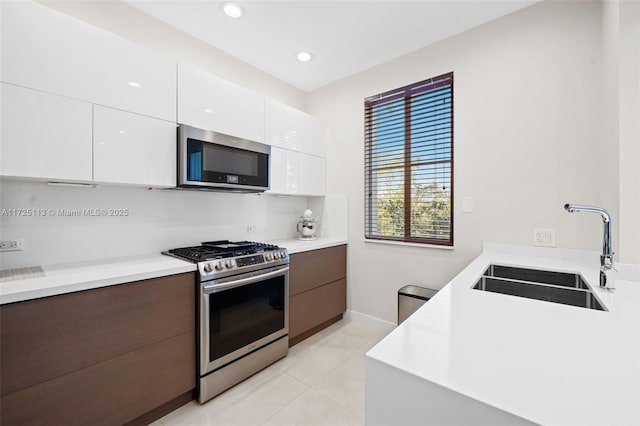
[{"x": 606, "y": 258}]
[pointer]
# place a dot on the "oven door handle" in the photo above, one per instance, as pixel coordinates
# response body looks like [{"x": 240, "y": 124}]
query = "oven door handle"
[{"x": 244, "y": 281}]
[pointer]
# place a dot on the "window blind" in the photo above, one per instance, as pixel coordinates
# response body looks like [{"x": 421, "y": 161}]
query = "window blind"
[{"x": 409, "y": 163}]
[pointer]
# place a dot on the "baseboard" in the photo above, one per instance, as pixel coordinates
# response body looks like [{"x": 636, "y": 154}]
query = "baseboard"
[
  {"x": 164, "y": 409},
  {"x": 368, "y": 320}
]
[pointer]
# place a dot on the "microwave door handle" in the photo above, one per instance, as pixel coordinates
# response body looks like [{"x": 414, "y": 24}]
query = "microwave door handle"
[{"x": 244, "y": 281}]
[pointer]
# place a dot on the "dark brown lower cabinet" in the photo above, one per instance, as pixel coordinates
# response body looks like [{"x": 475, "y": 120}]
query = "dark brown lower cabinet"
[
  {"x": 318, "y": 291},
  {"x": 314, "y": 307},
  {"x": 101, "y": 357}
]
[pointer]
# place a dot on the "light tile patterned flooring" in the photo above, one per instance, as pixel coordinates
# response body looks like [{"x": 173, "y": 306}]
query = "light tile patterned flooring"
[{"x": 320, "y": 382}]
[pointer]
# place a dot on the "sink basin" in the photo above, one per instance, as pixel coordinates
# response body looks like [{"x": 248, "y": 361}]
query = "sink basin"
[
  {"x": 557, "y": 287},
  {"x": 564, "y": 279}
]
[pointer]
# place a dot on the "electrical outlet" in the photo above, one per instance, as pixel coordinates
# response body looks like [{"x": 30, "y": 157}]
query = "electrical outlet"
[
  {"x": 251, "y": 228},
  {"x": 544, "y": 237},
  {"x": 11, "y": 245}
]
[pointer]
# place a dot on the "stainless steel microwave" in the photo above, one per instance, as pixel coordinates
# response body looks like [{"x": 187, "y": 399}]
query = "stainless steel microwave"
[{"x": 215, "y": 161}]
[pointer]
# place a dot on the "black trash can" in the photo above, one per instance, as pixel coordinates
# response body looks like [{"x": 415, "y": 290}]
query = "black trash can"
[{"x": 410, "y": 298}]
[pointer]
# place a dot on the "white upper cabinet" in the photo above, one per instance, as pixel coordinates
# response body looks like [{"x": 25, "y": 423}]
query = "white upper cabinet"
[
  {"x": 212, "y": 103},
  {"x": 313, "y": 176},
  {"x": 133, "y": 149},
  {"x": 319, "y": 138},
  {"x": 296, "y": 173},
  {"x": 46, "y": 50},
  {"x": 44, "y": 135},
  {"x": 287, "y": 127},
  {"x": 298, "y": 166},
  {"x": 284, "y": 171}
]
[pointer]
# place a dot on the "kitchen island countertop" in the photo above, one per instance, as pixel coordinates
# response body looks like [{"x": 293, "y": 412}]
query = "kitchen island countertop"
[{"x": 512, "y": 360}]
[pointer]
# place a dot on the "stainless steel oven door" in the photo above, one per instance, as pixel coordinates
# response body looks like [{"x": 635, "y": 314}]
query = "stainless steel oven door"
[{"x": 242, "y": 313}]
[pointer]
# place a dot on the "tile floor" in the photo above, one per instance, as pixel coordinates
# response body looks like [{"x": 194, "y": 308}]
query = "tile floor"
[{"x": 320, "y": 382}]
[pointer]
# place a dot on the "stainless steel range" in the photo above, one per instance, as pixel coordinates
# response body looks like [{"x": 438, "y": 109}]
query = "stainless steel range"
[{"x": 243, "y": 310}]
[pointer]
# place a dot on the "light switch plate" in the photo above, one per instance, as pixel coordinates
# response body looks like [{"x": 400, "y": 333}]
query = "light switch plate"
[{"x": 467, "y": 204}]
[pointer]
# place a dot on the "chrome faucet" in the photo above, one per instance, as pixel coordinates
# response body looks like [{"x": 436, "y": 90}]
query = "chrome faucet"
[{"x": 606, "y": 258}]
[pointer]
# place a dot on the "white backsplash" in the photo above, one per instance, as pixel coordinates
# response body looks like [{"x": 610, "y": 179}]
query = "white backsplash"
[
  {"x": 332, "y": 212},
  {"x": 157, "y": 220}
]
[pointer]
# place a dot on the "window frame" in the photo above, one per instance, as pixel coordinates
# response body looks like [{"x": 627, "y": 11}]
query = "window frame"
[{"x": 406, "y": 93}]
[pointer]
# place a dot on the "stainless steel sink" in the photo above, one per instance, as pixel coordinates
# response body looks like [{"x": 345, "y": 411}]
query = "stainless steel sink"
[
  {"x": 557, "y": 287},
  {"x": 564, "y": 279}
]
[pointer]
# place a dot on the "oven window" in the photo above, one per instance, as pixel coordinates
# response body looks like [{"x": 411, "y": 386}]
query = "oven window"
[{"x": 243, "y": 315}]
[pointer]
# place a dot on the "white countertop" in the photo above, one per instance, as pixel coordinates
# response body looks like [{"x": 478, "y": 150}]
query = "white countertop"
[
  {"x": 294, "y": 245},
  {"x": 548, "y": 363},
  {"x": 67, "y": 278}
]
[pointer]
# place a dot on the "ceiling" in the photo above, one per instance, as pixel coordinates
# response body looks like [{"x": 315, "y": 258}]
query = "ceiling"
[{"x": 345, "y": 37}]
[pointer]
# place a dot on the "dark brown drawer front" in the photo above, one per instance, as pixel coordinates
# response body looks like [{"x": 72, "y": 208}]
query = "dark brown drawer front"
[
  {"x": 109, "y": 393},
  {"x": 318, "y": 267},
  {"x": 47, "y": 338},
  {"x": 313, "y": 307}
]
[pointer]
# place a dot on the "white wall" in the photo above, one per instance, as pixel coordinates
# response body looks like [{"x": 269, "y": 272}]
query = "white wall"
[
  {"x": 610, "y": 154},
  {"x": 158, "y": 220},
  {"x": 629, "y": 129},
  {"x": 621, "y": 136},
  {"x": 126, "y": 21},
  {"x": 528, "y": 93}
]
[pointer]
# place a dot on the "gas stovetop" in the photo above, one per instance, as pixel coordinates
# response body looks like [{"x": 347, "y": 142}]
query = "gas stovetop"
[
  {"x": 223, "y": 258},
  {"x": 210, "y": 250}
]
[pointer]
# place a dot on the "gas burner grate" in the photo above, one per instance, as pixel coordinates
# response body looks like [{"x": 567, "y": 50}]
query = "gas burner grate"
[
  {"x": 221, "y": 249},
  {"x": 199, "y": 253},
  {"x": 245, "y": 247}
]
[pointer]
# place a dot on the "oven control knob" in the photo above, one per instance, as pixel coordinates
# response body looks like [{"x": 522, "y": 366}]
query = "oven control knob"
[
  {"x": 219, "y": 266},
  {"x": 282, "y": 255},
  {"x": 229, "y": 264},
  {"x": 208, "y": 267},
  {"x": 268, "y": 256}
]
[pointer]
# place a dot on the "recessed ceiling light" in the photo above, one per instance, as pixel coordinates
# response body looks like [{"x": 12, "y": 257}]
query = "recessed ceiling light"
[
  {"x": 304, "y": 56},
  {"x": 208, "y": 110},
  {"x": 135, "y": 84},
  {"x": 122, "y": 132},
  {"x": 232, "y": 10}
]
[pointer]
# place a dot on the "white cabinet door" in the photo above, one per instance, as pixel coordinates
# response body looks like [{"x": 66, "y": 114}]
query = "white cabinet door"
[
  {"x": 284, "y": 171},
  {"x": 313, "y": 175},
  {"x": 133, "y": 149},
  {"x": 295, "y": 173},
  {"x": 46, "y": 50},
  {"x": 44, "y": 136},
  {"x": 211, "y": 103},
  {"x": 319, "y": 138},
  {"x": 287, "y": 127},
  {"x": 284, "y": 126}
]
